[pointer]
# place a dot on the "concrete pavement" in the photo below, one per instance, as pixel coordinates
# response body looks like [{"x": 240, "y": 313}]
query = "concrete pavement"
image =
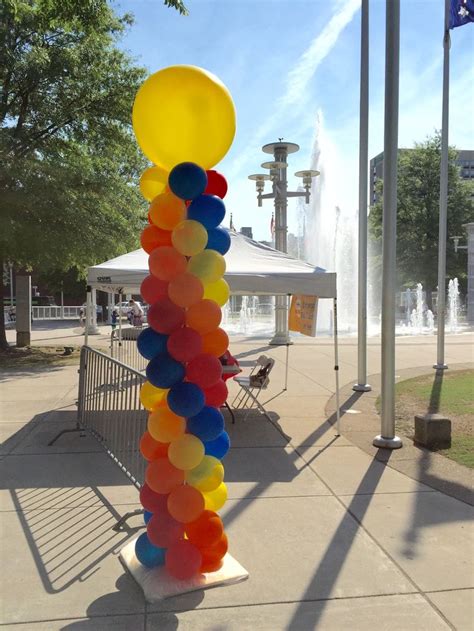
[{"x": 333, "y": 536}]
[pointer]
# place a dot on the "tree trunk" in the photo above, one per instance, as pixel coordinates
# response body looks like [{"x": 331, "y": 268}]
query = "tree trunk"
[{"x": 4, "y": 345}]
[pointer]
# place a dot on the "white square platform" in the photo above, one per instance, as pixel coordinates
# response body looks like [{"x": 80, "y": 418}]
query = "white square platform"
[{"x": 157, "y": 584}]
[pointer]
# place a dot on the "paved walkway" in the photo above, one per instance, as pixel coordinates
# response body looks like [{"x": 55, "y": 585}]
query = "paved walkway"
[{"x": 333, "y": 538}]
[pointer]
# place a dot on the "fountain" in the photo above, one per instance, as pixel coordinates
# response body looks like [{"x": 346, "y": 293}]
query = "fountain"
[
  {"x": 430, "y": 321},
  {"x": 453, "y": 305}
]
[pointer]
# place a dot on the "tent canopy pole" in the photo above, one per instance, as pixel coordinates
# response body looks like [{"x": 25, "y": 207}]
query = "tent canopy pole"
[{"x": 336, "y": 369}]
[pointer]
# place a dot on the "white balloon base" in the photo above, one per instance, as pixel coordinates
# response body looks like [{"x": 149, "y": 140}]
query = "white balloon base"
[{"x": 157, "y": 584}]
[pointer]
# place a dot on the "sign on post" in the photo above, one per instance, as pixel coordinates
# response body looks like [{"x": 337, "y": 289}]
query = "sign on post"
[{"x": 303, "y": 314}]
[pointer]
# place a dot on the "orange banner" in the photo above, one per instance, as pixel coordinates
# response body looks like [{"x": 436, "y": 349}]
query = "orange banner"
[{"x": 303, "y": 315}]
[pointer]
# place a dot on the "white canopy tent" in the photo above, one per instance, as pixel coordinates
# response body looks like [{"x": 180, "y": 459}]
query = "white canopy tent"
[{"x": 252, "y": 268}]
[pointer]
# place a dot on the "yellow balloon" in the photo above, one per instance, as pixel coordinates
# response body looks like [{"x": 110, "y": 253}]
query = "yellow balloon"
[
  {"x": 186, "y": 452},
  {"x": 218, "y": 291},
  {"x": 152, "y": 397},
  {"x": 153, "y": 182},
  {"x": 189, "y": 237},
  {"x": 215, "y": 500},
  {"x": 208, "y": 265},
  {"x": 207, "y": 476},
  {"x": 184, "y": 114}
]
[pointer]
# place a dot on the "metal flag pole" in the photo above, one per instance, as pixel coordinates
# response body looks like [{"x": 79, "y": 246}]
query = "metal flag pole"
[
  {"x": 443, "y": 197},
  {"x": 387, "y": 436},
  {"x": 362, "y": 385}
]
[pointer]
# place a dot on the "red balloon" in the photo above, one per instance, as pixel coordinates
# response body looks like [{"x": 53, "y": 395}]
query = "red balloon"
[
  {"x": 206, "y": 530},
  {"x": 217, "y": 394},
  {"x": 151, "y": 449},
  {"x": 204, "y": 370},
  {"x": 165, "y": 317},
  {"x": 216, "y": 184},
  {"x": 212, "y": 556},
  {"x": 162, "y": 477},
  {"x": 152, "y": 289},
  {"x": 153, "y": 237},
  {"x": 183, "y": 560},
  {"x": 163, "y": 531},
  {"x": 153, "y": 502},
  {"x": 184, "y": 344}
]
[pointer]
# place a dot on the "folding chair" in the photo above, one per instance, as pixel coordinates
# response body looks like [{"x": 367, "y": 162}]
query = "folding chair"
[{"x": 252, "y": 386}]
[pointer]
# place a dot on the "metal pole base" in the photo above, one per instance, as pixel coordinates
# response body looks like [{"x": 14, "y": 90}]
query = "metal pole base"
[
  {"x": 440, "y": 366},
  {"x": 92, "y": 329},
  {"x": 280, "y": 339},
  {"x": 362, "y": 387},
  {"x": 387, "y": 443}
]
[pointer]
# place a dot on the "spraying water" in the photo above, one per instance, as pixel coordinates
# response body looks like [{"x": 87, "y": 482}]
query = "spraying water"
[
  {"x": 453, "y": 305},
  {"x": 330, "y": 230}
]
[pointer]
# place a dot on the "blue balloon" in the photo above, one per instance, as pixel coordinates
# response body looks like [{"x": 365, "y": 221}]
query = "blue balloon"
[
  {"x": 147, "y": 516},
  {"x": 187, "y": 180},
  {"x": 207, "y": 425},
  {"x": 208, "y": 210},
  {"x": 148, "y": 554},
  {"x": 150, "y": 343},
  {"x": 163, "y": 371},
  {"x": 185, "y": 399},
  {"x": 218, "y": 447},
  {"x": 218, "y": 239}
]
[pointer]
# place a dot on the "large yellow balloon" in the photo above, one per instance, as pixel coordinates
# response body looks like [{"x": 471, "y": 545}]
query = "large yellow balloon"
[
  {"x": 153, "y": 182},
  {"x": 184, "y": 114},
  {"x": 218, "y": 291}
]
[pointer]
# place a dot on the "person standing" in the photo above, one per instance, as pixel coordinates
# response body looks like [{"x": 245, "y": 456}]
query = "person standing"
[{"x": 136, "y": 313}]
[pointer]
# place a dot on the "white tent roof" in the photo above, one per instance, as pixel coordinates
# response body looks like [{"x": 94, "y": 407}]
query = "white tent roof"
[{"x": 252, "y": 269}]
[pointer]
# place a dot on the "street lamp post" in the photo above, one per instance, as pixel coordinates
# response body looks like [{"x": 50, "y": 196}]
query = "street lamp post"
[{"x": 280, "y": 195}]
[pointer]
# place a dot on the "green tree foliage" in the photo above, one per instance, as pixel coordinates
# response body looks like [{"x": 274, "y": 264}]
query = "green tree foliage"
[
  {"x": 70, "y": 164},
  {"x": 418, "y": 216}
]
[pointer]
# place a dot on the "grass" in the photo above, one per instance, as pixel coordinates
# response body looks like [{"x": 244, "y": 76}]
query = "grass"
[
  {"x": 37, "y": 357},
  {"x": 452, "y": 394}
]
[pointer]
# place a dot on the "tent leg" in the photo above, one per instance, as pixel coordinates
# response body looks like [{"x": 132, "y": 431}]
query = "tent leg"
[
  {"x": 286, "y": 368},
  {"x": 88, "y": 315},
  {"x": 336, "y": 370},
  {"x": 119, "y": 354}
]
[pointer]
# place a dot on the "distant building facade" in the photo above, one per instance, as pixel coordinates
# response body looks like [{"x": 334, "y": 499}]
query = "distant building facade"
[
  {"x": 247, "y": 231},
  {"x": 465, "y": 162}
]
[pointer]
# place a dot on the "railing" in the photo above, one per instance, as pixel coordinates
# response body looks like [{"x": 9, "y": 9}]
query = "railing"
[
  {"x": 56, "y": 313},
  {"x": 125, "y": 349},
  {"x": 109, "y": 407}
]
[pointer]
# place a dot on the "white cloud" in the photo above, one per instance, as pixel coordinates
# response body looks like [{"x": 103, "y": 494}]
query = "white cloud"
[{"x": 293, "y": 99}]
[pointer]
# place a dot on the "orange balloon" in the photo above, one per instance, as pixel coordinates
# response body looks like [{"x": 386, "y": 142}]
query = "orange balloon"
[
  {"x": 167, "y": 211},
  {"x": 151, "y": 449},
  {"x": 165, "y": 426},
  {"x": 206, "y": 530},
  {"x": 215, "y": 343},
  {"x": 212, "y": 556},
  {"x": 153, "y": 237},
  {"x": 166, "y": 262},
  {"x": 185, "y": 504},
  {"x": 162, "y": 477},
  {"x": 185, "y": 290},
  {"x": 204, "y": 317}
]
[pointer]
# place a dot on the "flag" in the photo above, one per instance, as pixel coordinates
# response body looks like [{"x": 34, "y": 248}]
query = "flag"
[
  {"x": 461, "y": 12},
  {"x": 272, "y": 226},
  {"x": 231, "y": 224}
]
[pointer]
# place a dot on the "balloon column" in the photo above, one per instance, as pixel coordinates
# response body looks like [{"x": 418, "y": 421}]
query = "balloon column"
[{"x": 184, "y": 122}]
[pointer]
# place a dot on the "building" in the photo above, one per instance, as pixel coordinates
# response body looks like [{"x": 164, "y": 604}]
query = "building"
[
  {"x": 247, "y": 231},
  {"x": 465, "y": 162}
]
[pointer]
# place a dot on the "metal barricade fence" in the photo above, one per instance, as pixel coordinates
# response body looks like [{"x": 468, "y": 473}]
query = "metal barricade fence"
[
  {"x": 109, "y": 408},
  {"x": 125, "y": 350}
]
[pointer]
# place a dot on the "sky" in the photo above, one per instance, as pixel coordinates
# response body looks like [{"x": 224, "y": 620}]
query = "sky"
[{"x": 286, "y": 62}]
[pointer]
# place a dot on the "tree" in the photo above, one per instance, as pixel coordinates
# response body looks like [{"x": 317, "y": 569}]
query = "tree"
[
  {"x": 70, "y": 165},
  {"x": 418, "y": 216}
]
